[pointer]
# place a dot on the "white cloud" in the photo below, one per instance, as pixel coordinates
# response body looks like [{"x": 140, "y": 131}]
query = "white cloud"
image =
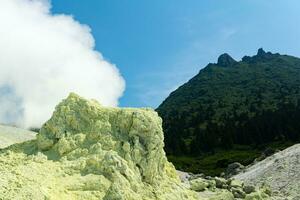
[{"x": 43, "y": 57}]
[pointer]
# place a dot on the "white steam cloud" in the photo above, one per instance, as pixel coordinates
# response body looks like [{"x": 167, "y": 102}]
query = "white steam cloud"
[{"x": 44, "y": 57}]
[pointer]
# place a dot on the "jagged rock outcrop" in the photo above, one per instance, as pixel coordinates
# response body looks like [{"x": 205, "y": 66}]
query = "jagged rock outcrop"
[
  {"x": 225, "y": 60},
  {"x": 86, "y": 151},
  {"x": 234, "y": 169}
]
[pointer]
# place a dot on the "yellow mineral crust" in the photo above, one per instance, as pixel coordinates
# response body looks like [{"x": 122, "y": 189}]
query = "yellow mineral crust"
[{"x": 86, "y": 151}]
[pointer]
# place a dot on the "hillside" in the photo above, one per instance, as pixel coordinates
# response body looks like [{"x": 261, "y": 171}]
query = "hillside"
[
  {"x": 280, "y": 172},
  {"x": 10, "y": 135},
  {"x": 233, "y": 109}
]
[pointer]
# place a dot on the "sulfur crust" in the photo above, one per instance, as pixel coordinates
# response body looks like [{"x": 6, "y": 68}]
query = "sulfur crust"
[{"x": 86, "y": 151}]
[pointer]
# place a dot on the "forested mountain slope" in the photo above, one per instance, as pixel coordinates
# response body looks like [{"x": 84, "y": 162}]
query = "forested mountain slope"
[{"x": 234, "y": 105}]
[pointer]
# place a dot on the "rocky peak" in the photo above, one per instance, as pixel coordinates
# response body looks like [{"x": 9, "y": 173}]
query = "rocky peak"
[
  {"x": 261, "y": 52},
  {"x": 261, "y": 56},
  {"x": 225, "y": 60}
]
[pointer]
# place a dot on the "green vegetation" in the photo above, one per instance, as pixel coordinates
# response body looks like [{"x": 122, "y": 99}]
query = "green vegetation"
[
  {"x": 250, "y": 103},
  {"x": 214, "y": 164}
]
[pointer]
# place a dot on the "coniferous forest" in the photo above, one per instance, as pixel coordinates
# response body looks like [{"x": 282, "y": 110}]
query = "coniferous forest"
[{"x": 246, "y": 106}]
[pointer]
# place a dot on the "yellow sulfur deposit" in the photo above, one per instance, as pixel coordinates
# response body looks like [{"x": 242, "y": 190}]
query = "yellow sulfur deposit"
[{"x": 86, "y": 151}]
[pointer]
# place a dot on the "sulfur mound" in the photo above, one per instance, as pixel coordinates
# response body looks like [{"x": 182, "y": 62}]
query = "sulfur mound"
[{"x": 86, "y": 151}]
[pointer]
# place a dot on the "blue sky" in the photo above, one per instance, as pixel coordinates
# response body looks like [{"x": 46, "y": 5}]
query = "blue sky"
[{"x": 160, "y": 44}]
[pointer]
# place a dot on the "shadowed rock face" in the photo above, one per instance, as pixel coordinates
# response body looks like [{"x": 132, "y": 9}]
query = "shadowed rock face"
[
  {"x": 225, "y": 60},
  {"x": 86, "y": 151}
]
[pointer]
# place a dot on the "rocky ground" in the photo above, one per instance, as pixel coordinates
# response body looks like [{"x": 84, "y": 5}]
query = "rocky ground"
[
  {"x": 210, "y": 188},
  {"x": 281, "y": 172},
  {"x": 277, "y": 175}
]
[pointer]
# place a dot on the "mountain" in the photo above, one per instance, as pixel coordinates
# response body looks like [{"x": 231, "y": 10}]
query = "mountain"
[{"x": 233, "y": 110}]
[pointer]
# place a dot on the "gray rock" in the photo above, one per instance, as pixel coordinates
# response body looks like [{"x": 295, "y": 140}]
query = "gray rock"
[
  {"x": 184, "y": 176},
  {"x": 234, "y": 169},
  {"x": 238, "y": 192},
  {"x": 249, "y": 189},
  {"x": 221, "y": 182}
]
